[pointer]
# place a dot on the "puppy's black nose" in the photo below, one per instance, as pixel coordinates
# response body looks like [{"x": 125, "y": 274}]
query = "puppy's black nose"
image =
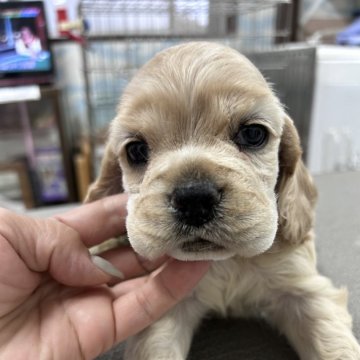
[{"x": 195, "y": 202}]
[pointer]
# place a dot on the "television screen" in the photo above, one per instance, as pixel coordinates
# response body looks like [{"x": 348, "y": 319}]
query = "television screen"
[{"x": 25, "y": 55}]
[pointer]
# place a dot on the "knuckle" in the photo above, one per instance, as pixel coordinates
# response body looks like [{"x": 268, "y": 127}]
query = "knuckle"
[{"x": 146, "y": 305}]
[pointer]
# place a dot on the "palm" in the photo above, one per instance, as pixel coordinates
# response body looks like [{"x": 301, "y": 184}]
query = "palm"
[{"x": 58, "y": 321}]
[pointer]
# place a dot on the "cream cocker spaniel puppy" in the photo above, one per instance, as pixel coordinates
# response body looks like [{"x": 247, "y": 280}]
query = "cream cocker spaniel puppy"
[{"x": 213, "y": 169}]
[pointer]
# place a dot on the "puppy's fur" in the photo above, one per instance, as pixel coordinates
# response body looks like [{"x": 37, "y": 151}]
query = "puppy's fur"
[{"x": 188, "y": 104}]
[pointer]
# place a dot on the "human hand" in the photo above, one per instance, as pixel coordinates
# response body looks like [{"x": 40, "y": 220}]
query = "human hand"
[{"x": 54, "y": 302}]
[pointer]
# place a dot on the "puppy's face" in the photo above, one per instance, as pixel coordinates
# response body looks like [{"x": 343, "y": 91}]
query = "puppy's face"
[{"x": 197, "y": 139}]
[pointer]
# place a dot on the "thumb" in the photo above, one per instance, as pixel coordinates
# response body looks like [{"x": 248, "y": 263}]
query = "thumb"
[
  {"x": 47, "y": 245},
  {"x": 71, "y": 263}
]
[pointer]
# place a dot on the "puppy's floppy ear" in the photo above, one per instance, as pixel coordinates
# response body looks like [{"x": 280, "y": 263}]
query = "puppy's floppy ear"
[
  {"x": 109, "y": 181},
  {"x": 295, "y": 188}
]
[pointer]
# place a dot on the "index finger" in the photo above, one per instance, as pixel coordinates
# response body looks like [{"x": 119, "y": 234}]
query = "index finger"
[
  {"x": 139, "y": 308},
  {"x": 97, "y": 221}
]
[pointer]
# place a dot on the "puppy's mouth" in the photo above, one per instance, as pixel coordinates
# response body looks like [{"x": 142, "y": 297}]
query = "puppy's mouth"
[
  {"x": 200, "y": 245},
  {"x": 198, "y": 248}
]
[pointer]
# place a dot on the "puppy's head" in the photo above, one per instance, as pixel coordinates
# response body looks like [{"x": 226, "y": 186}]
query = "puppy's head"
[{"x": 197, "y": 144}]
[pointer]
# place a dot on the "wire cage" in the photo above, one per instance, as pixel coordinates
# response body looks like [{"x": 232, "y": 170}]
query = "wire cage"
[{"x": 122, "y": 35}]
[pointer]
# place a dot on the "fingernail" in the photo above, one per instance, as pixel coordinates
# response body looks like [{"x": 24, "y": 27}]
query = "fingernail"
[{"x": 106, "y": 266}]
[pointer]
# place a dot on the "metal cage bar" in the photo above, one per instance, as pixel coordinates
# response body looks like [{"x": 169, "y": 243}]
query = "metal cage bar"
[{"x": 124, "y": 34}]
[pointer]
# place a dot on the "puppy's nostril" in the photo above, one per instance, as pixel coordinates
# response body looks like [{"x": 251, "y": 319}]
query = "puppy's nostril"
[{"x": 195, "y": 202}]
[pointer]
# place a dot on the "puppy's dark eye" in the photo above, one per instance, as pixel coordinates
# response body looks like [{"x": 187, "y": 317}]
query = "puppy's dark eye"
[
  {"x": 251, "y": 136},
  {"x": 137, "y": 152}
]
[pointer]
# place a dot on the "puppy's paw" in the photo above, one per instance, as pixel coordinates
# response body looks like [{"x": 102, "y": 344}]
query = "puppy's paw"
[
  {"x": 346, "y": 348},
  {"x": 349, "y": 350},
  {"x": 152, "y": 354},
  {"x": 354, "y": 353}
]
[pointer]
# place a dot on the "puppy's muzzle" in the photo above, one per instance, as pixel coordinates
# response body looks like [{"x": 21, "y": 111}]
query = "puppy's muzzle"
[{"x": 195, "y": 203}]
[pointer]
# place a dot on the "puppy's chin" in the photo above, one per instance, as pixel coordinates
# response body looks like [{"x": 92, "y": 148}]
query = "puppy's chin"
[
  {"x": 201, "y": 249},
  {"x": 201, "y": 255}
]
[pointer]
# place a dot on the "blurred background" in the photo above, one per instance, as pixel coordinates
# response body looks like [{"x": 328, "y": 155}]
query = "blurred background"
[{"x": 64, "y": 65}]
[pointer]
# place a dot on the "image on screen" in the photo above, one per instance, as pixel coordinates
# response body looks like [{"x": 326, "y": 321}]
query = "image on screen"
[{"x": 23, "y": 40}]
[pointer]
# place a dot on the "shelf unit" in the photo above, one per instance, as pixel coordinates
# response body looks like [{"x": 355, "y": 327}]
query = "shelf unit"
[{"x": 28, "y": 128}]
